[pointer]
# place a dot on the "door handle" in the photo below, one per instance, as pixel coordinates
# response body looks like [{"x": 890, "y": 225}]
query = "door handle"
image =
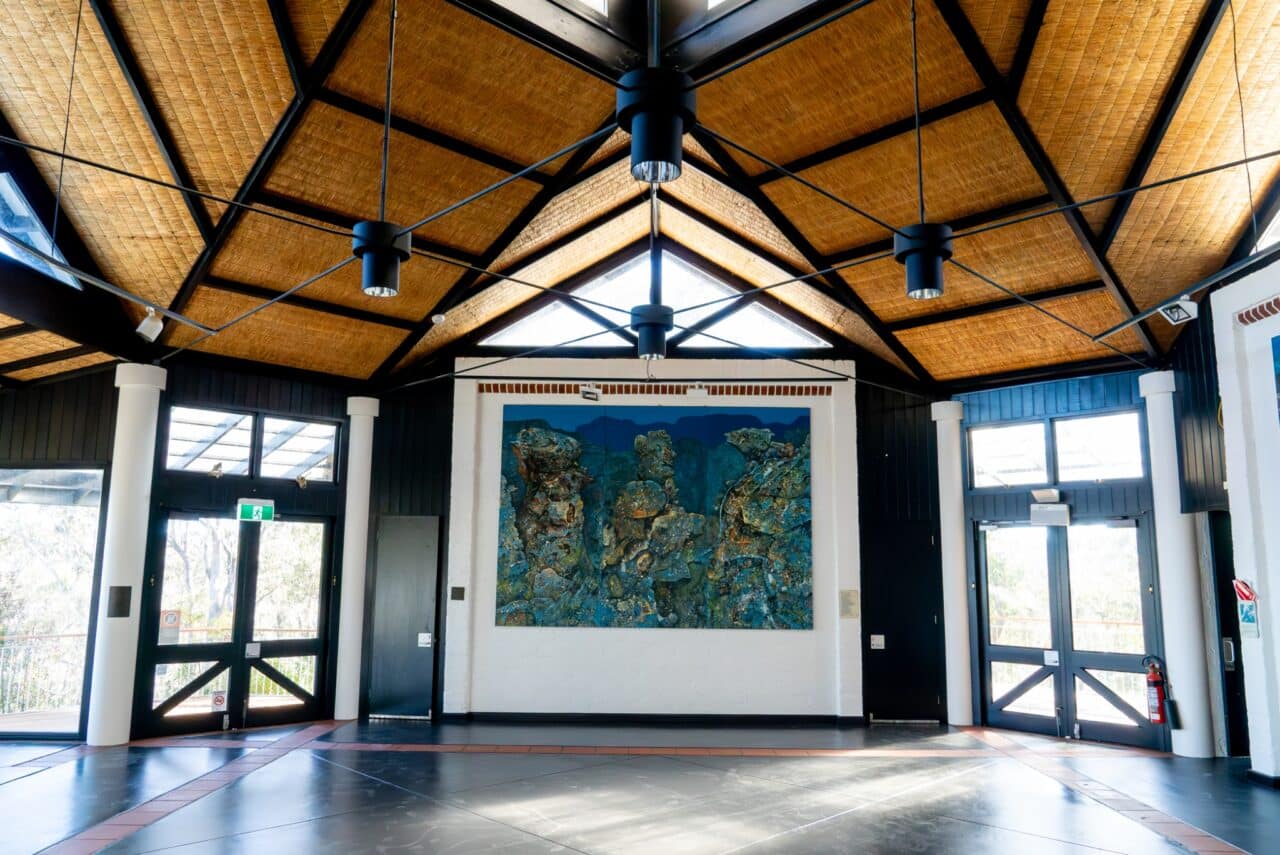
[{"x": 1229, "y": 653}]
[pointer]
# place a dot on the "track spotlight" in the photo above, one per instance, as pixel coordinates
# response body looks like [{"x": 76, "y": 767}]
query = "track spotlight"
[
  {"x": 657, "y": 107},
  {"x": 651, "y": 323},
  {"x": 922, "y": 249},
  {"x": 1180, "y": 311},
  {"x": 151, "y": 327},
  {"x": 381, "y": 248}
]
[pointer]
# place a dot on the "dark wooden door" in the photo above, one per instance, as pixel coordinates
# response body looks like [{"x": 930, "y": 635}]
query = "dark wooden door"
[{"x": 402, "y": 656}]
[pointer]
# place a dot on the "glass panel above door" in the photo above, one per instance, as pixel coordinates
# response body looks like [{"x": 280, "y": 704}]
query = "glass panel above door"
[
  {"x": 198, "y": 590},
  {"x": 295, "y": 449},
  {"x": 1008, "y": 456},
  {"x": 1106, "y": 589},
  {"x": 1018, "y": 607},
  {"x": 290, "y": 567},
  {"x": 1100, "y": 448},
  {"x": 209, "y": 441}
]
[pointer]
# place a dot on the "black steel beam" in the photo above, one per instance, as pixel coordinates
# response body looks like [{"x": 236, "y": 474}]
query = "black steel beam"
[
  {"x": 879, "y": 135},
  {"x": 46, "y": 358},
  {"x": 563, "y": 180},
  {"x": 1061, "y": 371},
  {"x": 969, "y": 41},
  {"x": 151, "y": 114},
  {"x": 422, "y": 133},
  {"x": 1265, "y": 213},
  {"x": 969, "y": 221},
  {"x": 288, "y": 42},
  {"x": 334, "y": 45},
  {"x": 258, "y": 292},
  {"x": 1163, "y": 118},
  {"x": 299, "y": 208},
  {"x": 16, "y": 330},
  {"x": 1026, "y": 44},
  {"x": 705, "y": 47},
  {"x": 830, "y": 284},
  {"x": 980, "y": 309}
]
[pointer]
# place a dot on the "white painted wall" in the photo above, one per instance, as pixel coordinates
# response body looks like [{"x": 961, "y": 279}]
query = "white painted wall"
[
  {"x": 491, "y": 668},
  {"x": 1252, "y": 424}
]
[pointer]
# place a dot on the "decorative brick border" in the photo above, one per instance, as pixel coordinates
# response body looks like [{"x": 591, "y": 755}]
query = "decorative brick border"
[
  {"x": 681, "y": 389},
  {"x": 1260, "y": 312}
]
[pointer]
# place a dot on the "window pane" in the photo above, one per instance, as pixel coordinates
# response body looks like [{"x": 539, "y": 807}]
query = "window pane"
[
  {"x": 1092, "y": 706},
  {"x": 48, "y": 542},
  {"x": 1106, "y": 590},
  {"x": 298, "y": 450},
  {"x": 1099, "y": 448},
  {"x": 290, "y": 563},
  {"x": 1038, "y": 700},
  {"x": 1018, "y": 587},
  {"x": 265, "y": 692},
  {"x": 173, "y": 677},
  {"x": 209, "y": 441},
  {"x": 1007, "y": 456},
  {"x": 197, "y": 601}
]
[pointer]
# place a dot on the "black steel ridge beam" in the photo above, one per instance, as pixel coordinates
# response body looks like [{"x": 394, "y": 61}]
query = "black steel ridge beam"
[
  {"x": 968, "y": 221},
  {"x": 1026, "y": 44},
  {"x": 299, "y": 208},
  {"x": 561, "y": 181},
  {"x": 980, "y": 309},
  {"x": 1173, "y": 95},
  {"x": 831, "y": 284},
  {"x": 258, "y": 292},
  {"x": 334, "y": 45},
  {"x": 151, "y": 114},
  {"x": 288, "y": 42},
  {"x": 1058, "y": 371},
  {"x": 971, "y": 43},
  {"x": 422, "y": 133},
  {"x": 879, "y": 135},
  {"x": 46, "y": 358}
]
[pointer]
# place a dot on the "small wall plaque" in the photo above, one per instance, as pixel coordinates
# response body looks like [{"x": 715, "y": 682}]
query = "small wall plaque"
[
  {"x": 119, "y": 598},
  {"x": 457, "y": 593},
  {"x": 850, "y": 603}
]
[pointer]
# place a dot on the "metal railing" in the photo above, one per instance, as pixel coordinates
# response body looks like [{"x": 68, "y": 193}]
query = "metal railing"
[{"x": 41, "y": 672}]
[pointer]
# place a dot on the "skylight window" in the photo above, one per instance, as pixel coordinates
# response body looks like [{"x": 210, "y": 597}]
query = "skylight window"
[
  {"x": 1270, "y": 235},
  {"x": 684, "y": 288},
  {"x": 17, "y": 218}
]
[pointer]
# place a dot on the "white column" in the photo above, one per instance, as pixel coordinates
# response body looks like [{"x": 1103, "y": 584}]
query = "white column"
[
  {"x": 355, "y": 548},
  {"x": 1179, "y": 575},
  {"x": 124, "y": 551},
  {"x": 955, "y": 566}
]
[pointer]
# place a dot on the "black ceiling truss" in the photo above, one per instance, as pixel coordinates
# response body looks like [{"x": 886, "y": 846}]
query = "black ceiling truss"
[
  {"x": 966, "y": 312},
  {"x": 46, "y": 358},
  {"x": 288, "y": 43},
  {"x": 563, "y": 180},
  {"x": 1187, "y": 66},
  {"x": 230, "y": 286},
  {"x": 1265, "y": 213},
  {"x": 971, "y": 43},
  {"x": 151, "y": 114},
  {"x": 1026, "y": 45},
  {"x": 16, "y": 330},
  {"x": 334, "y": 45},
  {"x": 1057, "y": 371},
  {"x": 830, "y": 284},
  {"x": 422, "y": 133}
]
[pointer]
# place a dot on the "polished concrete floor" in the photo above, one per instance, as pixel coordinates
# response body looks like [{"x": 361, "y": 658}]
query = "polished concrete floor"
[{"x": 484, "y": 787}]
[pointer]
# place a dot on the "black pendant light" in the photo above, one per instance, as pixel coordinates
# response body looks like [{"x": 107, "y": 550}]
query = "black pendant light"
[
  {"x": 657, "y": 106},
  {"x": 924, "y": 247},
  {"x": 382, "y": 246}
]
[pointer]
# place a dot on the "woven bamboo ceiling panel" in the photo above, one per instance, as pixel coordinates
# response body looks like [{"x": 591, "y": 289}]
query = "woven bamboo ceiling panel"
[{"x": 279, "y": 105}]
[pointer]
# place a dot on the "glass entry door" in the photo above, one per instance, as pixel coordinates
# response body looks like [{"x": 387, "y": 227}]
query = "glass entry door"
[
  {"x": 1068, "y": 615},
  {"x": 233, "y": 624}
]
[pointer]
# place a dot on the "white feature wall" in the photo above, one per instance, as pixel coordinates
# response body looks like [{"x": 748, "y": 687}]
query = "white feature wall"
[
  {"x": 1249, "y": 402},
  {"x": 491, "y": 668}
]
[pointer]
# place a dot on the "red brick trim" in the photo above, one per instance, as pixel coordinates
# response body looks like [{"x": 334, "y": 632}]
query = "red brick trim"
[
  {"x": 786, "y": 390},
  {"x": 1260, "y": 312}
]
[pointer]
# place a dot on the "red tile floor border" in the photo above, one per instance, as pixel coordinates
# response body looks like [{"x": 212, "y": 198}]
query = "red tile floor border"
[{"x": 1043, "y": 757}]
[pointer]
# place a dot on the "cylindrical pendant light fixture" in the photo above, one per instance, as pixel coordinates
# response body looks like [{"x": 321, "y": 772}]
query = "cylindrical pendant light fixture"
[
  {"x": 923, "y": 249},
  {"x": 651, "y": 323},
  {"x": 381, "y": 248},
  {"x": 657, "y": 107}
]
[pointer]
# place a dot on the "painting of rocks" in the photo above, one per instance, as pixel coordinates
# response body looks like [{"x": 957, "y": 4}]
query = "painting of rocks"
[{"x": 655, "y": 517}]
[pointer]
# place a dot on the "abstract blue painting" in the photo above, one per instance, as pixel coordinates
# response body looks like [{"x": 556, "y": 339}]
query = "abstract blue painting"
[{"x": 655, "y": 517}]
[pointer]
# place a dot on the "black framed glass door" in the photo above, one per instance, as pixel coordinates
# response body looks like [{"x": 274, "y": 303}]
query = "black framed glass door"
[
  {"x": 1068, "y": 613},
  {"x": 234, "y": 629}
]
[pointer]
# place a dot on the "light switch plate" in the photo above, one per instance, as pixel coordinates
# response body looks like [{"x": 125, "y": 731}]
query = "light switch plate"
[{"x": 877, "y": 642}]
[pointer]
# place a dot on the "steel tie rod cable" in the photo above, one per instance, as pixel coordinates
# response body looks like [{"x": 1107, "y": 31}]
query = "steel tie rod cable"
[
  {"x": 181, "y": 188},
  {"x": 796, "y": 177},
  {"x": 97, "y": 282},
  {"x": 515, "y": 176}
]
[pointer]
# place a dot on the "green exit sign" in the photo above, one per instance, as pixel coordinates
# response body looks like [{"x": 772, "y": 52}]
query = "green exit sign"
[{"x": 256, "y": 510}]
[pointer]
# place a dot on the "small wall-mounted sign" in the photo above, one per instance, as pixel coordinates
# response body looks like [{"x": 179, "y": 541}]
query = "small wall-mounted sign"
[
  {"x": 252, "y": 650},
  {"x": 1051, "y": 657},
  {"x": 1050, "y": 514},
  {"x": 119, "y": 598},
  {"x": 424, "y": 639},
  {"x": 219, "y": 701},
  {"x": 1246, "y": 609},
  {"x": 255, "y": 510},
  {"x": 850, "y": 604},
  {"x": 170, "y": 626},
  {"x": 877, "y": 642}
]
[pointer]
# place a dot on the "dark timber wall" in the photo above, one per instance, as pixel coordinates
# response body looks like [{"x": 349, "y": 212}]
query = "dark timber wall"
[
  {"x": 69, "y": 422},
  {"x": 1201, "y": 458},
  {"x": 901, "y": 562}
]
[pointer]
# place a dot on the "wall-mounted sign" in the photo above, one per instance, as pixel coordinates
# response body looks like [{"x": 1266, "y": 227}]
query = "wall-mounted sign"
[
  {"x": 219, "y": 701},
  {"x": 255, "y": 510},
  {"x": 1246, "y": 608},
  {"x": 170, "y": 626}
]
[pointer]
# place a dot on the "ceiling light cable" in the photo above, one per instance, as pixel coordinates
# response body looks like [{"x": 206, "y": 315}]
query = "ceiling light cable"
[
  {"x": 1244, "y": 137},
  {"x": 66, "y": 126},
  {"x": 386, "y": 114},
  {"x": 915, "y": 90}
]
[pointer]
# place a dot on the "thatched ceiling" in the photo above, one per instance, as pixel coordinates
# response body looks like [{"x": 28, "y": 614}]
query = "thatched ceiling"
[{"x": 277, "y": 104}]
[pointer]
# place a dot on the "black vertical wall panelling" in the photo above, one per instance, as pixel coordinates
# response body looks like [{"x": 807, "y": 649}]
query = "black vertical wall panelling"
[
  {"x": 1201, "y": 451},
  {"x": 898, "y": 516}
]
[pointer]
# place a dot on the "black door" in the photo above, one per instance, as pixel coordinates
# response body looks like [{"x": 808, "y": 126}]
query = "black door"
[
  {"x": 402, "y": 662},
  {"x": 903, "y": 647},
  {"x": 233, "y": 624},
  {"x": 1229, "y": 627},
  {"x": 1068, "y": 615}
]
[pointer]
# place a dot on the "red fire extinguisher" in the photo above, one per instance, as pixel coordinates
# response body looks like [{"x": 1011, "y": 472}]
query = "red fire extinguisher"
[{"x": 1155, "y": 692}]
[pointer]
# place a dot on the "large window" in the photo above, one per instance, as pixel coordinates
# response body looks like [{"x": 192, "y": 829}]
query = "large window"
[
  {"x": 1008, "y": 456},
  {"x": 1100, "y": 448},
  {"x": 1072, "y": 450},
  {"x": 222, "y": 443},
  {"x": 48, "y": 545}
]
